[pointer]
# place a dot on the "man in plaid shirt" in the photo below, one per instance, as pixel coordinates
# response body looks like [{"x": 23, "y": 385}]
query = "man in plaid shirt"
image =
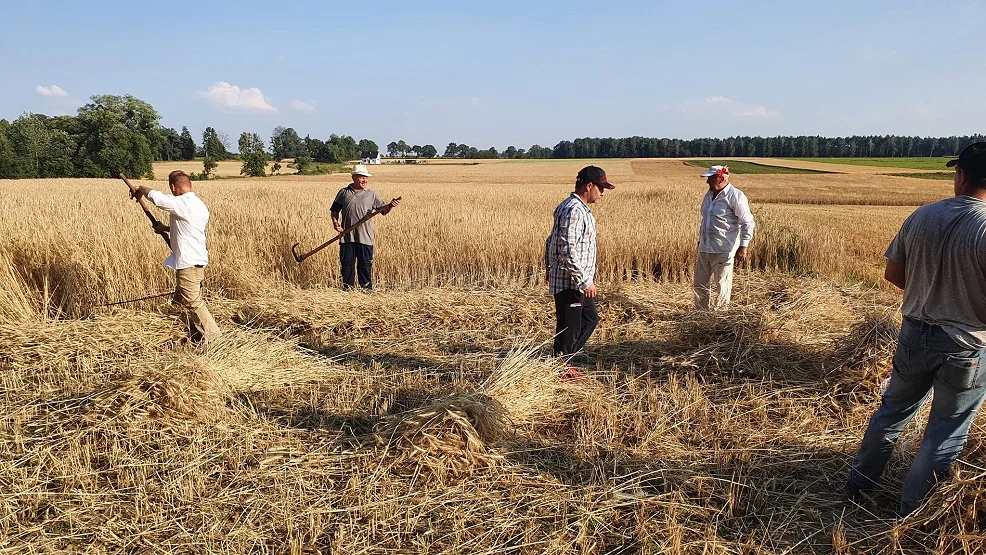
[{"x": 570, "y": 258}]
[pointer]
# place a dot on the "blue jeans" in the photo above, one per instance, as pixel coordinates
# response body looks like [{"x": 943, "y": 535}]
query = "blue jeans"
[
  {"x": 926, "y": 359},
  {"x": 356, "y": 258}
]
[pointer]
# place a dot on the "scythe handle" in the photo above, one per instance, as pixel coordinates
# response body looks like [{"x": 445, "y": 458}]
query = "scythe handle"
[
  {"x": 299, "y": 258},
  {"x": 147, "y": 212}
]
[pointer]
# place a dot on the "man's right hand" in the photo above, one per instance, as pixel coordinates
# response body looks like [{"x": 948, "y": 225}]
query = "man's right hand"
[
  {"x": 337, "y": 226},
  {"x": 590, "y": 292}
]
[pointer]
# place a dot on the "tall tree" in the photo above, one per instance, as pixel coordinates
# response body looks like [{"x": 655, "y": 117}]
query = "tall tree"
[
  {"x": 342, "y": 148},
  {"x": 187, "y": 145},
  {"x": 428, "y": 151},
  {"x": 213, "y": 145},
  {"x": 253, "y": 152},
  {"x": 285, "y": 143},
  {"x": 116, "y": 135},
  {"x": 368, "y": 148}
]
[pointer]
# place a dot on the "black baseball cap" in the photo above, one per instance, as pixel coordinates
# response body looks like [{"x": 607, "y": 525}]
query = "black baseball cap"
[
  {"x": 596, "y": 175},
  {"x": 972, "y": 160}
]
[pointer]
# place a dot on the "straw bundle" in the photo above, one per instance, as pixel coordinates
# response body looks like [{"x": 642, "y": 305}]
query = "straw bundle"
[
  {"x": 529, "y": 389},
  {"x": 185, "y": 391},
  {"x": 449, "y": 436}
]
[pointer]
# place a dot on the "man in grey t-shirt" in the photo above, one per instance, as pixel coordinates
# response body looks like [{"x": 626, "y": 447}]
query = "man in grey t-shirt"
[
  {"x": 939, "y": 259},
  {"x": 356, "y": 247}
]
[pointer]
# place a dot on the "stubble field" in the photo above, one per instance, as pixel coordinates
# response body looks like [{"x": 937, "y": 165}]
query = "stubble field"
[{"x": 426, "y": 418}]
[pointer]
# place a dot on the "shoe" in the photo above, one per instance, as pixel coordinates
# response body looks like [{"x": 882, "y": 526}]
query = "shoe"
[
  {"x": 571, "y": 374},
  {"x": 853, "y": 494}
]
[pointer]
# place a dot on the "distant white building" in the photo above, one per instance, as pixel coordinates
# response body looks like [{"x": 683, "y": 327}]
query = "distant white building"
[{"x": 372, "y": 160}]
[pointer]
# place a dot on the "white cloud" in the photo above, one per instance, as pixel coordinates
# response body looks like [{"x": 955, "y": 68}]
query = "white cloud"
[
  {"x": 760, "y": 111},
  {"x": 53, "y": 90},
  {"x": 721, "y": 106},
  {"x": 303, "y": 106},
  {"x": 228, "y": 97}
]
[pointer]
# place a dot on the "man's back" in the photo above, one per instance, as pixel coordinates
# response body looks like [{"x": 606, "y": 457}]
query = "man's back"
[{"x": 943, "y": 249}]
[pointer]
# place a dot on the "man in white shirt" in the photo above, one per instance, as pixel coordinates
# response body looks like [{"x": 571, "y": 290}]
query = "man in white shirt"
[
  {"x": 188, "y": 217},
  {"x": 725, "y": 232}
]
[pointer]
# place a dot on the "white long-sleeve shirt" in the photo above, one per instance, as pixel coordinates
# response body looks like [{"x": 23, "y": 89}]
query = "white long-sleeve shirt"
[
  {"x": 727, "y": 223},
  {"x": 187, "y": 220}
]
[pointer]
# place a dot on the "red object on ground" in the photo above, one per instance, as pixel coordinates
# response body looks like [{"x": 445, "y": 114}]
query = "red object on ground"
[{"x": 571, "y": 374}]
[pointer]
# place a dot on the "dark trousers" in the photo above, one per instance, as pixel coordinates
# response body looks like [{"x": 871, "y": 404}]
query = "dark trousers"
[
  {"x": 356, "y": 259},
  {"x": 576, "y": 318}
]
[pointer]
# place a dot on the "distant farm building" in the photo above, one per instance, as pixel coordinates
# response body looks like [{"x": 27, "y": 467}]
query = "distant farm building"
[{"x": 372, "y": 160}]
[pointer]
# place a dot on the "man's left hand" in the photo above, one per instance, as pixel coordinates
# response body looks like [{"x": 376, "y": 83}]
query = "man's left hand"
[
  {"x": 139, "y": 192},
  {"x": 741, "y": 254},
  {"x": 395, "y": 201}
]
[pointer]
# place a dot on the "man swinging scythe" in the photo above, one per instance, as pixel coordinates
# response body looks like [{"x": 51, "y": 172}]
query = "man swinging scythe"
[{"x": 185, "y": 234}]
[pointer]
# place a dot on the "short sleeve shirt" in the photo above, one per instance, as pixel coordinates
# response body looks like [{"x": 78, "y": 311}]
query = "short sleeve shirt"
[
  {"x": 352, "y": 205},
  {"x": 942, "y": 247}
]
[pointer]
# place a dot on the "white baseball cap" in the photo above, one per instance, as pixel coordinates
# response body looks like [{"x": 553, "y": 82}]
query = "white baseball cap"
[
  {"x": 360, "y": 169},
  {"x": 714, "y": 170}
]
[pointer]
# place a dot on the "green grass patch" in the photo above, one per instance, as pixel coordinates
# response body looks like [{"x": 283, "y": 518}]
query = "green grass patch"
[
  {"x": 925, "y": 163},
  {"x": 942, "y": 176},
  {"x": 737, "y": 167}
]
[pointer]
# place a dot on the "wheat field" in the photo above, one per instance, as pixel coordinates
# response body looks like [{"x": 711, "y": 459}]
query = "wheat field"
[{"x": 427, "y": 417}]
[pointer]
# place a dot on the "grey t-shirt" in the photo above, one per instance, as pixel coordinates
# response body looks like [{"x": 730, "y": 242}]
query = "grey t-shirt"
[
  {"x": 942, "y": 247},
  {"x": 352, "y": 205}
]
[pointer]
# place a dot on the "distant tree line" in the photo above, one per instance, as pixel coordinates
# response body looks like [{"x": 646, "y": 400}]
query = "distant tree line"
[
  {"x": 858, "y": 146},
  {"x": 114, "y": 134}
]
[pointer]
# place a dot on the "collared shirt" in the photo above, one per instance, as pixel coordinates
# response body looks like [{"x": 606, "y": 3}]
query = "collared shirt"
[
  {"x": 727, "y": 222},
  {"x": 188, "y": 217},
  {"x": 352, "y": 205},
  {"x": 570, "y": 251},
  {"x": 942, "y": 247}
]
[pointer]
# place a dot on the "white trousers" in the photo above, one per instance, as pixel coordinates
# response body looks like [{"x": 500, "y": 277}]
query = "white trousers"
[{"x": 713, "y": 271}]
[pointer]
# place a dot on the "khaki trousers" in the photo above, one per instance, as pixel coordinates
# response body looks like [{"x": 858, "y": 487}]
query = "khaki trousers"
[
  {"x": 713, "y": 271},
  {"x": 188, "y": 294}
]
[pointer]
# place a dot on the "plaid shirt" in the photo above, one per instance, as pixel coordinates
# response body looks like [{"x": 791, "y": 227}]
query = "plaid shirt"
[{"x": 570, "y": 251}]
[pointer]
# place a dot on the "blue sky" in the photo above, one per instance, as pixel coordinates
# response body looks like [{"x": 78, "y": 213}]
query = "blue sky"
[{"x": 508, "y": 73}]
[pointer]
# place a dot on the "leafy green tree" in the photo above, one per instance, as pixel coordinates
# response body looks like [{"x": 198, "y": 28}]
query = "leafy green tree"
[
  {"x": 368, "y": 148},
  {"x": 428, "y": 151},
  {"x": 342, "y": 148},
  {"x": 187, "y": 146},
  {"x": 213, "y": 145},
  {"x": 451, "y": 151},
  {"x": 285, "y": 143},
  {"x": 302, "y": 163},
  {"x": 116, "y": 134},
  {"x": 209, "y": 165},
  {"x": 318, "y": 150},
  {"x": 30, "y": 138},
  {"x": 168, "y": 145},
  {"x": 402, "y": 148},
  {"x": 392, "y": 149},
  {"x": 10, "y": 163},
  {"x": 253, "y": 152}
]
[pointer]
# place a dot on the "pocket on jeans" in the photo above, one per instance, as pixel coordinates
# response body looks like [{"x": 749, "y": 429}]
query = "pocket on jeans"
[
  {"x": 902, "y": 360},
  {"x": 962, "y": 372}
]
